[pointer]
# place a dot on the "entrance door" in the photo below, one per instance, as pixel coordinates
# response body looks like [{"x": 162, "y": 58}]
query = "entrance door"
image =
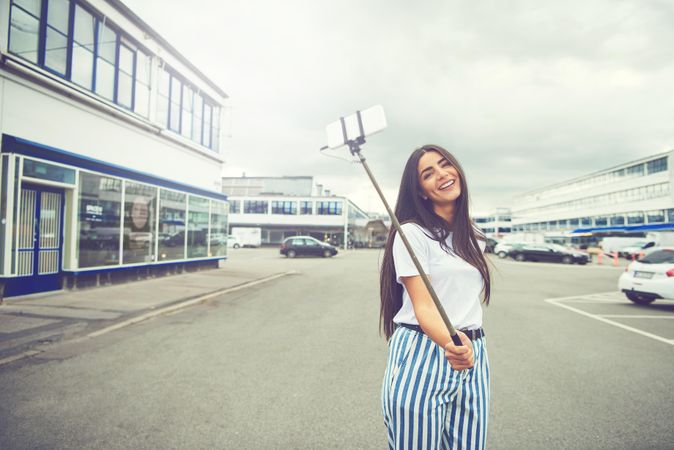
[{"x": 40, "y": 240}]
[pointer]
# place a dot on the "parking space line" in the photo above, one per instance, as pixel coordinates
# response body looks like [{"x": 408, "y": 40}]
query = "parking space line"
[
  {"x": 557, "y": 302},
  {"x": 627, "y": 316}
]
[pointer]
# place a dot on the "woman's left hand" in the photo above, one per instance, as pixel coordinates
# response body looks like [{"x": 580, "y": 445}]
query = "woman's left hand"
[{"x": 460, "y": 357}]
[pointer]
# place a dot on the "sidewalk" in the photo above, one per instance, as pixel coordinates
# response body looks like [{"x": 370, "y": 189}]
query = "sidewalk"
[{"x": 29, "y": 324}]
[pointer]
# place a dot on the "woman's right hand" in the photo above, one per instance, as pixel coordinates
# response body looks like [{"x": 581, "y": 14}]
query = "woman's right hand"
[{"x": 460, "y": 357}]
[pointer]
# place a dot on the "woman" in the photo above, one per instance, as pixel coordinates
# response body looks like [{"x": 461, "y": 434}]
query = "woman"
[{"x": 435, "y": 394}]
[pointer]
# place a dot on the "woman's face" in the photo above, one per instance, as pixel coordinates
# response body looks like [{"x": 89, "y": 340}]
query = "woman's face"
[{"x": 439, "y": 180}]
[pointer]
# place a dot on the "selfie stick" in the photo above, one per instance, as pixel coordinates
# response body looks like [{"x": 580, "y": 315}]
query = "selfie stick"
[{"x": 354, "y": 148}]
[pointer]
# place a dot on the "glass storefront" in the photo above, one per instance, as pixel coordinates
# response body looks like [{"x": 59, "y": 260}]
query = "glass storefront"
[
  {"x": 171, "y": 234},
  {"x": 197, "y": 227},
  {"x": 100, "y": 205},
  {"x": 140, "y": 202},
  {"x": 218, "y": 239}
]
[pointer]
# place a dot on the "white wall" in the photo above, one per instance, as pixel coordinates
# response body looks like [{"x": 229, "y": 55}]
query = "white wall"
[{"x": 32, "y": 112}]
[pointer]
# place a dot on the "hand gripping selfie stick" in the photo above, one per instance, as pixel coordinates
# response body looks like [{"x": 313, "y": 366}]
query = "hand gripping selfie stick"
[{"x": 351, "y": 131}]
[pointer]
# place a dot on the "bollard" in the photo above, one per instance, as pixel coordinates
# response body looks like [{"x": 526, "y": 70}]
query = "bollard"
[
  {"x": 599, "y": 257},
  {"x": 615, "y": 259}
]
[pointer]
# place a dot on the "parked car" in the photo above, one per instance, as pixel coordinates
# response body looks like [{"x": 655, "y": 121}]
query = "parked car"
[
  {"x": 635, "y": 250},
  {"x": 233, "y": 242},
  {"x": 502, "y": 248},
  {"x": 650, "y": 278},
  {"x": 306, "y": 246},
  {"x": 547, "y": 253},
  {"x": 490, "y": 245}
]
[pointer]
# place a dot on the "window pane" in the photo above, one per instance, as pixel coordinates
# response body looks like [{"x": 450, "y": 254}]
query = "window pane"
[
  {"x": 107, "y": 43},
  {"x": 85, "y": 24},
  {"x": 37, "y": 169},
  {"x": 142, "y": 100},
  {"x": 215, "y": 135},
  {"x": 23, "y": 35},
  {"x": 176, "y": 89},
  {"x": 172, "y": 225},
  {"x": 100, "y": 201},
  {"x": 105, "y": 79},
  {"x": 56, "y": 51},
  {"x": 206, "y": 139},
  {"x": 186, "y": 129},
  {"x": 143, "y": 62},
  {"x": 218, "y": 239},
  {"x": 139, "y": 222},
  {"x": 198, "y": 108},
  {"x": 197, "y": 231},
  {"x": 174, "y": 117},
  {"x": 57, "y": 14},
  {"x": 124, "y": 87},
  {"x": 32, "y": 6},
  {"x": 83, "y": 66},
  {"x": 126, "y": 59}
]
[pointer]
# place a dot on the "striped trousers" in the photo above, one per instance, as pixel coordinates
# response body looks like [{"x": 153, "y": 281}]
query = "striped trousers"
[{"x": 428, "y": 405}]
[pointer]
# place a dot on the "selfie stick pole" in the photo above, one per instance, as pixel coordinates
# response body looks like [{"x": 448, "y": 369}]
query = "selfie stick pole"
[{"x": 354, "y": 147}]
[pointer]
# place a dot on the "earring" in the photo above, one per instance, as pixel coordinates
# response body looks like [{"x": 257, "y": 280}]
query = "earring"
[{"x": 424, "y": 197}]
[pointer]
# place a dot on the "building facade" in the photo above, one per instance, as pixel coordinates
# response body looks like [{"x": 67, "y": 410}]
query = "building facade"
[
  {"x": 496, "y": 224},
  {"x": 631, "y": 197},
  {"x": 290, "y": 206},
  {"x": 110, "y": 155}
]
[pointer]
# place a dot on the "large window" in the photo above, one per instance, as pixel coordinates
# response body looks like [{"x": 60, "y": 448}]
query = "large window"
[
  {"x": 218, "y": 239},
  {"x": 657, "y": 216},
  {"x": 235, "y": 206},
  {"x": 186, "y": 111},
  {"x": 255, "y": 206},
  {"x": 657, "y": 165},
  {"x": 306, "y": 207},
  {"x": 83, "y": 48},
  {"x": 140, "y": 204},
  {"x": 329, "y": 208},
  {"x": 171, "y": 235},
  {"x": 197, "y": 227},
  {"x": 283, "y": 207},
  {"x": 24, "y": 29},
  {"x": 635, "y": 218},
  {"x": 41, "y": 32},
  {"x": 100, "y": 202}
]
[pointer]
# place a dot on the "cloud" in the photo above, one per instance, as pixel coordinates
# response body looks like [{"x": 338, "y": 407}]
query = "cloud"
[{"x": 525, "y": 93}]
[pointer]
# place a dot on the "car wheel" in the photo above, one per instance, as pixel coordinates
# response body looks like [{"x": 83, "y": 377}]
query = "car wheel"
[
  {"x": 327, "y": 253},
  {"x": 519, "y": 257},
  {"x": 640, "y": 299},
  {"x": 567, "y": 260},
  {"x": 502, "y": 255},
  {"x": 236, "y": 246},
  {"x": 291, "y": 253}
]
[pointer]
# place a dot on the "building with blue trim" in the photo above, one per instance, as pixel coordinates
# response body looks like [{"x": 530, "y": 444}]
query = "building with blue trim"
[
  {"x": 286, "y": 206},
  {"x": 110, "y": 158},
  {"x": 635, "y": 197}
]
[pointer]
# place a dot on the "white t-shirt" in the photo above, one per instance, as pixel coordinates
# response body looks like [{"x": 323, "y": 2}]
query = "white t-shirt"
[{"x": 457, "y": 283}]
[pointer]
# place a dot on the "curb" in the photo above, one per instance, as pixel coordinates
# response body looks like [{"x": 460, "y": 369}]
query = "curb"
[{"x": 158, "y": 312}]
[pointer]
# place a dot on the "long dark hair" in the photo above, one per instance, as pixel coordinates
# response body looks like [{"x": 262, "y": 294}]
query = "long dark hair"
[{"x": 411, "y": 207}]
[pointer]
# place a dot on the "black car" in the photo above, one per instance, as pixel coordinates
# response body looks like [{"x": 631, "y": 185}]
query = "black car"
[
  {"x": 547, "y": 253},
  {"x": 489, "y": 245},
  {"x": 306, "y": 246}
]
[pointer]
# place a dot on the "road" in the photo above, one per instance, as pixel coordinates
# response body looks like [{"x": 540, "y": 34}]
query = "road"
[{"x": 297, "y": 363}]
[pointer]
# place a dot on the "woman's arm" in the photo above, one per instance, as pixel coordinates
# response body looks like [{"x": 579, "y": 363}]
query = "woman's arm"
[{"x": 431, "y": 322}]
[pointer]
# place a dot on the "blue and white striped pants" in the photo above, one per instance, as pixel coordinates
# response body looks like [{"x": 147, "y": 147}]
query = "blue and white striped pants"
[{"x": 427, "y": 404}]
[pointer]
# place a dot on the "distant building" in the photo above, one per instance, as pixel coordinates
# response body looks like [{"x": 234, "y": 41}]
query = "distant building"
[
  {"x": 628, "y": 198},
  {"x": 289, "y": 206},
  {"x": 496, "y": 224},
  {"x": 110, "y": 164}
]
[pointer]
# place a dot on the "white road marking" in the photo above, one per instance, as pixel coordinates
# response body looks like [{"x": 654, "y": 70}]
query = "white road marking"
[
  {"x": 558, "y": 302},
  {"x": 628, "y": 316}
]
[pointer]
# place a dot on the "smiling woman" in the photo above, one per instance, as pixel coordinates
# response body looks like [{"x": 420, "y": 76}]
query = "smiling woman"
[{"x": 435, "y": 394}]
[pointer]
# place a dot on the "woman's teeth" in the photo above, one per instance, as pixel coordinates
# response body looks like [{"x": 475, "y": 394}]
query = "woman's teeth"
[{"x": 446, "y": 185}]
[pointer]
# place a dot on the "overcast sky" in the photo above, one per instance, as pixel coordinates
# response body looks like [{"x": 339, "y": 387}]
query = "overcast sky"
[{"x": 524, "y": 93}]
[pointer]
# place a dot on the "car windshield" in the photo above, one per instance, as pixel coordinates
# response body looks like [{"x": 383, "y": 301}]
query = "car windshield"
[{"x": 659, "y": 257}]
